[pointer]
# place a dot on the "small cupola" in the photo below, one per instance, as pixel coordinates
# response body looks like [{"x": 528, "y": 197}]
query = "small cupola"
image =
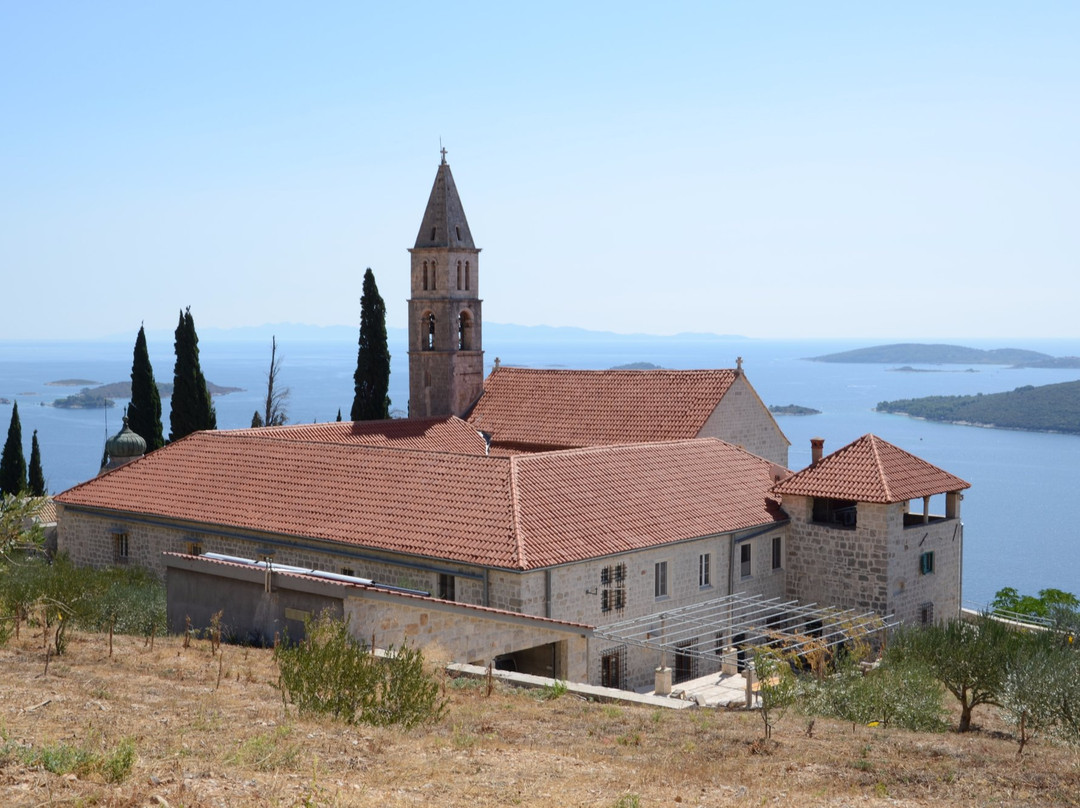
[{"x": 123, "y": 447}]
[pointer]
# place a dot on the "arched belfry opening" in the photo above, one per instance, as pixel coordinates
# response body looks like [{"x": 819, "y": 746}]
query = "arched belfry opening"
[
  {"x": 446, "y": 363},
  {"x": 465, "y": 331}
]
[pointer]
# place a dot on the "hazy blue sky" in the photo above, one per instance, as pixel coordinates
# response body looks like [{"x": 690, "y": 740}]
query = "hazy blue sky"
[{"x": 903, "y": 170}]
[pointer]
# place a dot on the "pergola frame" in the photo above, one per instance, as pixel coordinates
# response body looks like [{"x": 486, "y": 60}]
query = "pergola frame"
[{"x": 703, "y": 629}]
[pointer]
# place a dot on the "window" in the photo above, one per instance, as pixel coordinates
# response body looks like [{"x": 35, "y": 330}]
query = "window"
[
  {"x": 120, "y": 548},
  {"x": 347, "y": 571},
  {"x": 612, "y": 595},
  {"x": 446, "y": 587},
  {"x": 660, "y": 582},
  {"x": 425, "y": 276},
  {"x": 466, "y": 275},
  {"x": 777, "y": 552},
  {"x": 926, "y": 563},
  {"x": 744, "y": 560},
  {"x": 427, "y": 337},
  {"x": 611, "y": 667},
  {"x": 836, "y": 512},
  {"x": 458, "y": 231},
  {"x": 464, "y": 332},
  {"x": 926, "y": 613},
  {"x": 194, "y": 548},
  {"x": 704, "y": 572},
  {"x": 458, "y": 274},
  {"x": 432, "y": 234}
]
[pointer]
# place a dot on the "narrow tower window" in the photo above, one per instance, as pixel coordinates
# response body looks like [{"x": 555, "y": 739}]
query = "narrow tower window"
[
  {"x": 427, "y": 332},
  {"x": 458, "y": 274},
  {"x": 466, "y": 274},
  {"x": 458, "y": 231},
  {"x": 425, "y": 276},
  {"x": 434, "y": 274},
  {"x": 464, "y": 332},
  {"x": 433, "y": 234}
]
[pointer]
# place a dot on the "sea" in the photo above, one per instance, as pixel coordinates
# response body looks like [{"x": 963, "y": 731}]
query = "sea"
[{"x": 1019, "y": 525}]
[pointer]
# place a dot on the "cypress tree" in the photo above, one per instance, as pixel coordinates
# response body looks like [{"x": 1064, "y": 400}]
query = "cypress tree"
[
  {"x": 12, "y": 461},
  {"x": 37, "y": 476},
  {"x": 372, "y": 376},
  {"x": 256, "y": 420},
  {"x": 144, "y": 414},
  {"x": 192, "y": 408}
]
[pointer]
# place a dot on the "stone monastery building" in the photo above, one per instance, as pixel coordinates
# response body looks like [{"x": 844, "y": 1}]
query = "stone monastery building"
[{"x": 558, "y": 522}]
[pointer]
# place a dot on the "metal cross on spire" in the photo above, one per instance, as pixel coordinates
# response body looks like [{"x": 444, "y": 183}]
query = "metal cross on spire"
[{"x": 443, "y": 152}]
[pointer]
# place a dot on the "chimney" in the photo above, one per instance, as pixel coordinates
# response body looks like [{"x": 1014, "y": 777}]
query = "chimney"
[{"x": 817, "y": 447}]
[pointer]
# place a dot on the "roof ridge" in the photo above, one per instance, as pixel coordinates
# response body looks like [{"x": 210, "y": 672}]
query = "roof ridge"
[
  {"x": 515, "y": 513},
  {"x": 875, "y": 449},
  {"x": 238, "y": 434},
  {"x": 612, "y": 447}
]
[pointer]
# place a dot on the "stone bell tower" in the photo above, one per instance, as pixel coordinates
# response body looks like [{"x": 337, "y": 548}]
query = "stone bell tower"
[{"x": 446, "y": 357}]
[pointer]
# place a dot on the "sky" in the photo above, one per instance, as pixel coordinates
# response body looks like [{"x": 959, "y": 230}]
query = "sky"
[{"x": 789, "y": 169}]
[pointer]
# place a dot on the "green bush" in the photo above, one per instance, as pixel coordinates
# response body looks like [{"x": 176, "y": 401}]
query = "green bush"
[
  {"x": 331, "y": 673},
  {"x": 129, "y": 600},
  {"x": 890, "y": 695}
]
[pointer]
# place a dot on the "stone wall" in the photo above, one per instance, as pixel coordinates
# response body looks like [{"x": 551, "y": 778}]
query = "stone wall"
[
  {"x": 743, "y": 419},
  {"x": 875, "y": 565},
  {"x": 465, "y": 635}
]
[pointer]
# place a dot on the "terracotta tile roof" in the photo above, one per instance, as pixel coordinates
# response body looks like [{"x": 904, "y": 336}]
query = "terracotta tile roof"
[
  {"x": 448, "y": 434},
  {"x": 520, "y": 512},
  {"x": 574, "y": 408},
  {"x": 422, "y": 503},
  {"x": 871, "y": 470},
  {"x": 583, "y": 503}
]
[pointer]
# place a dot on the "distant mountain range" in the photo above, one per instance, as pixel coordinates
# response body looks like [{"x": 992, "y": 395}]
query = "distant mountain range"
[{"x": 923, "y": 354}]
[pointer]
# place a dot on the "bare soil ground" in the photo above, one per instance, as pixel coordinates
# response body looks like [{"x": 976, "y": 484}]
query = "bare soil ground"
[{"x": 211, "y": 730}]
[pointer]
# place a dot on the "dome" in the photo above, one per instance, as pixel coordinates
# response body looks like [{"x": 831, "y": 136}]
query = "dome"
[{"x": 125, "y": 444}]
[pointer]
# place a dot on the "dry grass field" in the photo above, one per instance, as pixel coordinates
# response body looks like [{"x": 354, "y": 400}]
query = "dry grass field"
[{"x": 211, "y": 730}]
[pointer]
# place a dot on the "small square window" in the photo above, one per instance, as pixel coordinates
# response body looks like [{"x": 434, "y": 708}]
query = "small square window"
[
  {"x": 348, "y": 571},
  {"x": 194, "y": 548},
  {"x": 605, "y": 576}
]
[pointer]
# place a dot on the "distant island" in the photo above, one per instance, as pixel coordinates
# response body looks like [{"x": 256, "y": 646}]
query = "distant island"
[
  {"x": 1046, "y": 408},
  {"x": 638, "y": 366},
  {"x": 104, "y": 396},
  {"x": 910, "y": 369},
  {"x": 72, "y": 383},
  {"x": 923, "y": 354},
  {"x": 792, "y": 409}
]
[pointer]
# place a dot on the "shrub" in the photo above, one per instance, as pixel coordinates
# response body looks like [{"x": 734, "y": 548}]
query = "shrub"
[
  {"x": 331, "y": 673},
  {"x": 893, "y": 695}
]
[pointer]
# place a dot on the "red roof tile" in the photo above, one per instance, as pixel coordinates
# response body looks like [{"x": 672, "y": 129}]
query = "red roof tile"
[
  {"x": 519, "y": 512},
  {"x": 871, "y": 470},
  {"x": 448, "y": 434},
  {"x": 583, "y": 503},
  {"x": 573, "y": 408}
]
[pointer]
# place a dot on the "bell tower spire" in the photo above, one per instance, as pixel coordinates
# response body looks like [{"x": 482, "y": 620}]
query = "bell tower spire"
[{"x": 446, "y": 357}]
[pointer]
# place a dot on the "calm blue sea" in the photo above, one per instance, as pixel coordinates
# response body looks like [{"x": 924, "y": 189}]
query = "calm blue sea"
[{"x": 1020, "y": 529}]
